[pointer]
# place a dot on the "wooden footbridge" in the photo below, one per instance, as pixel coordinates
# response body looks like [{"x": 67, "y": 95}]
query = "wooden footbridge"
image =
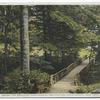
[{"x": 66, "y": 79}]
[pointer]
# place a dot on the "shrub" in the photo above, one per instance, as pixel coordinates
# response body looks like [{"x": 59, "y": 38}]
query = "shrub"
[
  {"x": 41, "y": 80},
  {"x": 14, "y": 82},
  {"x": 39, "y": 76},
  {"x": 85, "y": 89}
]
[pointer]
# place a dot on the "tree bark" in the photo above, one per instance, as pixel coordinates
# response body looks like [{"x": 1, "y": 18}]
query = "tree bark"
[
  {"x": 26, "y": 65},
  {"x": 24, "y": 40}
]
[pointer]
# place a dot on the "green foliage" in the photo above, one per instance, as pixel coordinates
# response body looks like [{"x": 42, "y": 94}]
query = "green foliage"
[
  {"x": 39, "y": 76},
  {"x": 84, "y": 52},
  {"x": 68, "y": 20},
  {"x": 87, "y": 88},
  {"x": 84, "y": 89},
  {"x": 36, "y": 51},
  {"x": 86, "y": 37},
  {"x": 1, "y": 48},
  {"x": 48, "y": 46},
  {"x": 14, "y": 83},
  {"x": 90, "y": 74},
  {"x": 51, "y": 28}
]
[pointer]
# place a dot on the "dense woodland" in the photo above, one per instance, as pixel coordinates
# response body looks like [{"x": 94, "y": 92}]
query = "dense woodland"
[{"x": 37, "y": 41}]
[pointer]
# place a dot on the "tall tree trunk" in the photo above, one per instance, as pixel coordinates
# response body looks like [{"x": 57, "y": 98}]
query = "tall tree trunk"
[
  {"x": 26, "y": 66},
  {"x": 5, "y": 30},
  {"x": 21, "y": 37},
  {"x": 24, "y": 37},
  {"x": 5, "y": 48}
]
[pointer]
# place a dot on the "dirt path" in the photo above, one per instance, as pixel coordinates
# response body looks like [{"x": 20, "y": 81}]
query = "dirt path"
[{"x": 67, "y": 83}]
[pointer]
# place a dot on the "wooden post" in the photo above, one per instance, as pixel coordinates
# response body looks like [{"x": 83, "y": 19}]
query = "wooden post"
[
  {"x": 51, "y": 80},
  {"x": 77, "y": 79}
]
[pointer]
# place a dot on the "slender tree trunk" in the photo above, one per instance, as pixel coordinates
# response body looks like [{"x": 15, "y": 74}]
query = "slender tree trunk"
[
  {"x": 5, "y": 48},
  {"x": 24, "y": 40},
  {"x": 26, "y": 66},
  {"x": 21, "y": 37}
]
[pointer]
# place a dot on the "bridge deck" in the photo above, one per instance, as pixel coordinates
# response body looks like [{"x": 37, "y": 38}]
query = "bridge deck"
[{"x": 67, "y": 83}]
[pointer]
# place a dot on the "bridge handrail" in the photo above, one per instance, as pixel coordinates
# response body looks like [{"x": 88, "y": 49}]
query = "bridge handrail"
[{"x": 57, "y": 76}]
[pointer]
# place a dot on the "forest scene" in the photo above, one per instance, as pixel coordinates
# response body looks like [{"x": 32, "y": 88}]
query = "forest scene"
[{"x": 49, "y": 49}]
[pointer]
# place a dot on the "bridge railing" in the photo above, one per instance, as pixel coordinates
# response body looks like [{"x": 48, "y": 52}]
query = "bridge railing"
[{"x": 60, "y": 74}]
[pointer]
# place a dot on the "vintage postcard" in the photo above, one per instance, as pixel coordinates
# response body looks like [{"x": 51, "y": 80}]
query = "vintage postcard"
[{"x": 49, "y": 50}]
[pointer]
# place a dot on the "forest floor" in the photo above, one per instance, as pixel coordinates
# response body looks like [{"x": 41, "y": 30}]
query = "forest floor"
[{"x": 66, "y": 84}]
